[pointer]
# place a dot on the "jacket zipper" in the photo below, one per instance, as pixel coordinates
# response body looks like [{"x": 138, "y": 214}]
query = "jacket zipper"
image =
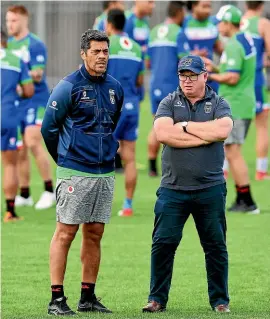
[{"x": 99, "y": 124}]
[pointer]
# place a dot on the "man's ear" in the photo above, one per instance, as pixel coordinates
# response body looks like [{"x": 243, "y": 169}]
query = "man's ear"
[
  {"x": 205, "y": 77},
  {"x": 83, "y": 55}
]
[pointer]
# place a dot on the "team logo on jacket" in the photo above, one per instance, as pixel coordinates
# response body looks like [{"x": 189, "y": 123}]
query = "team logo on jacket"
[
  {"x": 125, "y": 43},
  {"x": 112, "y": 96},
  {"x": 208, "y": 107}
]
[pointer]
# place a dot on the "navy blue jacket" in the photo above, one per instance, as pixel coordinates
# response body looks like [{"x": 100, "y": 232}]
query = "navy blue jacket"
[{"x": 81, "y": 115}]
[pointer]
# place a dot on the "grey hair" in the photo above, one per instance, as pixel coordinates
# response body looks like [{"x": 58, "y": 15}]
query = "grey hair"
[{"x": 92, "y": 35}]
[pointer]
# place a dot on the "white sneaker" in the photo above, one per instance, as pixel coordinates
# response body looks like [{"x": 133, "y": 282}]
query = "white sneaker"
[
  {"x": 47, "y": 200},
  {"x": 21, "y": 201}
]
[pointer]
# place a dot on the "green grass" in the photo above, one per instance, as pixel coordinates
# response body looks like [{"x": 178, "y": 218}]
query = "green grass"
[{"x": 123, "y": 281}]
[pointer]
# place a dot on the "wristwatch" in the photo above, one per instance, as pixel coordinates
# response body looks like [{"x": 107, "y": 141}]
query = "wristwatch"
[{"x": 184, "y": 125}]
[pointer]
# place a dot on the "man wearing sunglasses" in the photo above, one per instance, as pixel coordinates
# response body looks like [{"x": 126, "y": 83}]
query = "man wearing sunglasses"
[{"x": 192, "y": 123}]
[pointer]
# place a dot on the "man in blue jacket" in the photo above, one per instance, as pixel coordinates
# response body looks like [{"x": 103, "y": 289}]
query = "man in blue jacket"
[{"x": 80, "y": 118}]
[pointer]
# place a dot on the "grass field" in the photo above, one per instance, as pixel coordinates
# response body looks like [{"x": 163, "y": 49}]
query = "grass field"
[{"x": 123, "y": 281}]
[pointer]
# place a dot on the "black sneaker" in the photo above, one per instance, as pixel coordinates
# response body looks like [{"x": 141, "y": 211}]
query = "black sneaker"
[
  {"x": 242, "y": 207},
  {"x": 59, "y": 307},
  {"x": 92, "y": 306}
]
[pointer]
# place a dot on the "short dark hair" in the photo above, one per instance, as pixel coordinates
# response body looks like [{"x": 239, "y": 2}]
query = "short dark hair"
[
  {"x": 92, "y": 35},
  {"x": 174, "y": 7},
  {"x": 117, "y": 18},
  {"x": 4, "y": 38},
  {"x": 106, "y": 4},
  {"x": 253, "y": 5},
  {"x": 190, "y": 4}
]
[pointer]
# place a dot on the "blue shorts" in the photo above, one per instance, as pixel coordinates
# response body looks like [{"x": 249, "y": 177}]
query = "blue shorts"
[
  {"x": 261, "y": 99},
  {"x": 156, "y": 96},
  {"x": 9, "y": 131},
  {"x": 32, "y": 114},
  {"x": 214, "y": 85},
  {"x": 127, "y": 127},
  {"x": 158, "y": 92},
  {"x": 28, "y": 117}
]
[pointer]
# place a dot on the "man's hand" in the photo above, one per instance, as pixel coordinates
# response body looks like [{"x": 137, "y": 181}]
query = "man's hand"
[
  {"x": 180, "y": 127},
  {"x": 36, "y": 75},
  {"x": 200, "y": 52},
  {"x": 210, "y": 66}
]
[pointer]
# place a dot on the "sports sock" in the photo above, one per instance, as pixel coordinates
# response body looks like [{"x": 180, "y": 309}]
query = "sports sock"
[
  {"x": 25, "y": 192},
  {"x": 87, "y": 291},
  {"x": 127, "y": 203},
  {"x": 243, "y": 194},
  {"x": 10, "y": 206},
  {"x": 57, "y": 291},
  {"x": 118, "y": 161},
  {"x": 48, "y": 185},
  {"x": 153, "y": 165},
  {"x": 262, "y": 164}
]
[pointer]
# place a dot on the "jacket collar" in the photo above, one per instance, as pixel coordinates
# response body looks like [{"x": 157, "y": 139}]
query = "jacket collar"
[
  {"x": 95, "y": 79},
  {"x": 208, "y": 93}
]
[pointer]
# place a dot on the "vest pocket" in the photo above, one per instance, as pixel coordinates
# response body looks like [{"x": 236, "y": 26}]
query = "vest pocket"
[{"x": 84, "y": 147}]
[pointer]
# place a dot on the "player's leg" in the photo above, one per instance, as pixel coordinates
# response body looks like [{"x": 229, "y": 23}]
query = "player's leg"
[
  {"x": 60, "y": 245},
  {"x": 96, "y": 214},
  {"x": 262, "y": 134},
  {"x": 209, "y": 216},
  {"x": 172, "y": 210},
  {"x": 128, "y": 137},
  {"x": 9, "y": 157},
  {"x": 10, "y": 182},
  {"x": 23, "y": 169},
  {"x": 33, "y": 141},
  {"x": 90, "y": 252},
  {"x": 153, "y": 144},
  {"x": 23, "y": 165},
  {"x": 244, "y": 201},
  {"x": 129, "y": 158}
]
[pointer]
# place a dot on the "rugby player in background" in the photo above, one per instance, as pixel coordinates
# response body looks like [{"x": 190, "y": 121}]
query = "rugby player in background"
[
  {"x": 32, "y": 51},
  {"x": 13, "y": 72},
  {"x": 259, "y": 27},
  {"x": 167, "y": 45}
]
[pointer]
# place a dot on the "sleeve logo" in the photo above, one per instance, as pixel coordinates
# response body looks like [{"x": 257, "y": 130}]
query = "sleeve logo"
[
  {"x": 53, "y": 105},
  {"x": 112, "y": 96}
]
